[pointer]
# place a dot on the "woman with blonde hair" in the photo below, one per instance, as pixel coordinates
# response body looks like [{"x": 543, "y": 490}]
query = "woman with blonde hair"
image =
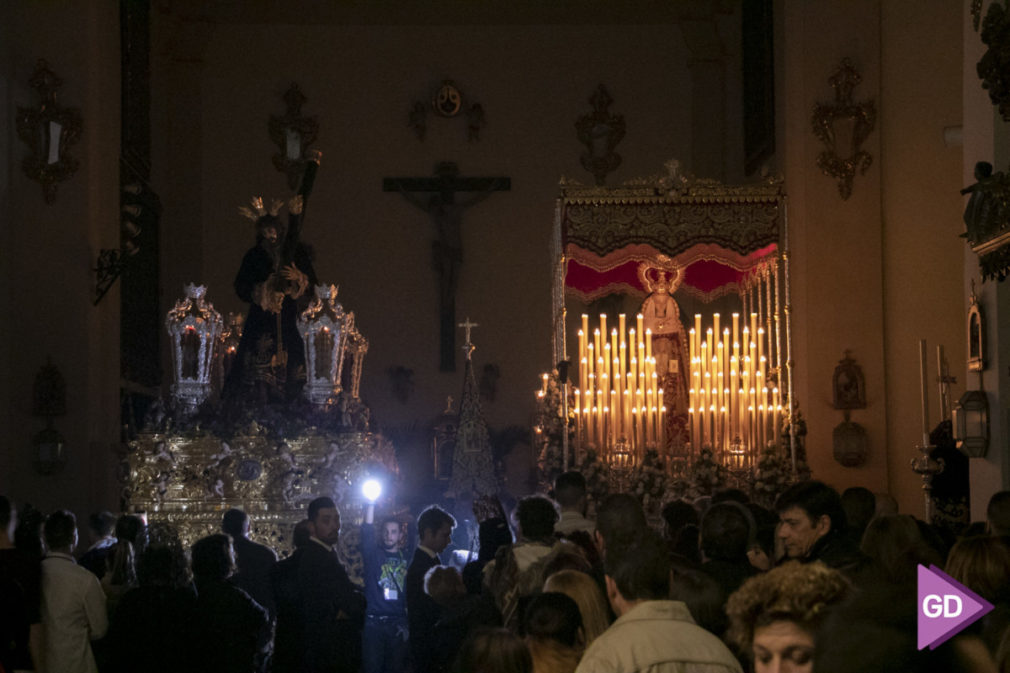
[{"x": 587, "y": 594}]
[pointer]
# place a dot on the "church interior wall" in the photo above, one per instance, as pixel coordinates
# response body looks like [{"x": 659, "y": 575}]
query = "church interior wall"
[
  {"x": 836, "y": 246},
  {"x": 533, "y": 83},
  {"x": 881, "y": 270},
  {"x": 7, "y": 137},
  {"x": 986, "y": 137},
  {"x": 52, "y": 250},
  {"x": 921, "y": 219},
  {"x": 873, "y": 274}
]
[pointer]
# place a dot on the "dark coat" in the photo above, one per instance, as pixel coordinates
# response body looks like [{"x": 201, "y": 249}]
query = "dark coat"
[
  {"x": 253, "y": 562},
  {"x": 332, "y": 612},
  {"x": 422, "y": 613},
  {"x": 289, "y": 630},
  {"x": 836, "y": 551},
  {"x": 152, "y": 631},
  {"x": 230, "y": 630}
]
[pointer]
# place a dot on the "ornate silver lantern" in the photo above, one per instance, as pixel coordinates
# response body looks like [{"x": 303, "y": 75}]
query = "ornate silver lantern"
[
  {"x": 324, "y": 327},
  {"x": 194, "y": 326},
  {"x": 354, "y": 359},
  {"x": 227, "y": 348}
]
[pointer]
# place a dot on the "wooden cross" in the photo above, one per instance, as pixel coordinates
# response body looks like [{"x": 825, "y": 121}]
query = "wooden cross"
[
  {"x": 446, "y": 212},
  {"x": 468, "y": 346}
]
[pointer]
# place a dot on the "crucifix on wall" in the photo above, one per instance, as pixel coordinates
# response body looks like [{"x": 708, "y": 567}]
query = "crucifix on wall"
[{"x": 446, "y": 212}]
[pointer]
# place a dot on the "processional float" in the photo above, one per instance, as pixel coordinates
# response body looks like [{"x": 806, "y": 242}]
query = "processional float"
[{"x": 642, "y": 382}]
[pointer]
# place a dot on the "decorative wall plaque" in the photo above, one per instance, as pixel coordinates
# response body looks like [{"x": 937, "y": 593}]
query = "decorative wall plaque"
[
  {"x": 848, "y": 384},
  {"x": 447, "y": 101},
  {"x": 850, "y": 443}
]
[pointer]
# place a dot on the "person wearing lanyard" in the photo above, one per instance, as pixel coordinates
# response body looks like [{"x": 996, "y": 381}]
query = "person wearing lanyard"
[{"x": 384, "y": 639}]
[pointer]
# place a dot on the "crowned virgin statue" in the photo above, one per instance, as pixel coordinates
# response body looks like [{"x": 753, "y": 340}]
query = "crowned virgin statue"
[{"x": 661, "y": 315}]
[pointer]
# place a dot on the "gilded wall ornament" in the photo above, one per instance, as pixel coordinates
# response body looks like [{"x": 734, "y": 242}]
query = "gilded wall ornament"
[
  {"x": 49, "y": 130},
  {"x": 843, "y": 126},
  {"x": 292, "y": 133},
  {"x": 447, "y": 101},
  {"x": 992, "y": 67},
  {"x": 600, "y": 131}
]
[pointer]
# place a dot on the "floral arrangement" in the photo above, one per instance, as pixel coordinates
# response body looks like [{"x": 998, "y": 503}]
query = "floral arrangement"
[
  {"x": 772, "y": 476},
  {"x": 596, "y": 472},
  {"x": 650, "y": 481},
  {"x": 549, "y": 429},
  {"x": 706, "y": 474}
]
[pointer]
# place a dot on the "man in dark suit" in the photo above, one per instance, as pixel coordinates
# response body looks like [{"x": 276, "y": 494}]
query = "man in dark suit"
[
  {"x": 284, "y": 582},
  {"x": 252, "y": 560},
  {"x": 434, "y": 532},
  {"x": 332, "y": 608}
]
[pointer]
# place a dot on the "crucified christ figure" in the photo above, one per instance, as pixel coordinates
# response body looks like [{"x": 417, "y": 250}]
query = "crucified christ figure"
[{"x": 446, "y": 212}]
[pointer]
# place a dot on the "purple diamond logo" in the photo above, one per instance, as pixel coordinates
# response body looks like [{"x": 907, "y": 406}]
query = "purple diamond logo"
[{"x": 945, "y": 607}]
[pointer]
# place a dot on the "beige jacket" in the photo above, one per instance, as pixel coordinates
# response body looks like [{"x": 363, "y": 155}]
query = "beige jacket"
[{"x": 657, "y": 637}]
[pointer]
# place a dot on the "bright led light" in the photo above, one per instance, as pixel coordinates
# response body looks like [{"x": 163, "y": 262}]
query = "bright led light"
[{"x": 371, "y": 489}]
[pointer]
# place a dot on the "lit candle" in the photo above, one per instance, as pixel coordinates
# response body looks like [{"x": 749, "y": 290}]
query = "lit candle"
[
  {"x": 633, "y": 362},
  {"x": 925, "y": 396},
  {"x": 648, "y": 344},
  {"x": 634, "y": 423},
  {"x": 736, "y": 327},
  {"x": 662, "y": 424},
  {"x": 626, "y": 408},
  {"x": 734, "y": 410},
  {"x": 615, "y": 416},
  {"x": 607, "y": 363},
  {"x": 639, "y": 323}
]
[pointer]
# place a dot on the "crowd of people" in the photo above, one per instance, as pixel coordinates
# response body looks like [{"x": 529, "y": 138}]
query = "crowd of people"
[{"x": 825, "y": 582}]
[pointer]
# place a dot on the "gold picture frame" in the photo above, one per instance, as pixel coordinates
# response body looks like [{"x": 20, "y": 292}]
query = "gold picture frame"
[{"x": 976, "y": 334}]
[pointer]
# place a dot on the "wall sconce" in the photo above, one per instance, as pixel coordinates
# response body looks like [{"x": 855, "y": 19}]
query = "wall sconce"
[
  {"x": 292, "y": 133},
  {"x": 600, "y": 131},
  {"x": 49, "y": 130},
  {"x": 971, "y": 423},
  {"x": 50, "y": 399},
  {"x": 843, "y": 127}
]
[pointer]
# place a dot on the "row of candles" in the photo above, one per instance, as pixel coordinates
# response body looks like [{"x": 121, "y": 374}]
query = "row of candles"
[
  {"x": 731, "y": 405},
  {"x": 618, "y": 399}
]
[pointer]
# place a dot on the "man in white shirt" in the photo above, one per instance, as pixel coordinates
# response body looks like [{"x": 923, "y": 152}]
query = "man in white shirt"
[
  {"x": 570, "y": 493},
  {"x": 73, "y": 603},
  {"x": 651, "y": 633}
]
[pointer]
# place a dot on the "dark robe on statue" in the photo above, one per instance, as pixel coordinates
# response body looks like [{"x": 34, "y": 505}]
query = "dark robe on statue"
[
  {"x": 259, "y": 335},
  {"x": 252, "y": 371}
]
